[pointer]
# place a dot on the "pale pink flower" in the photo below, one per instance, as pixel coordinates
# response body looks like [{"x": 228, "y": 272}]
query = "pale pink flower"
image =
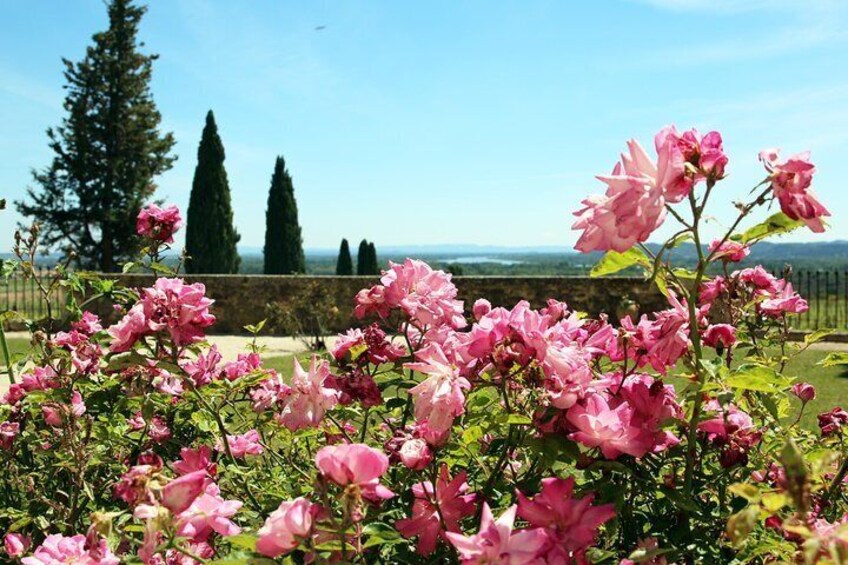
[
  {"x": 426, "y": 296},
  {"x": 610, "y": 429},
  {"x": 60, "y": 550},
  {"x": 450, "y": 503},
  {"x": 439, "y": 398},
  {"x": 208, "y": 513},
  {"x": 804, "y": 391},
  {"x": 729, "y": 250},
  {"x": 310, "y": 396},
  {"x": 355, "y": 464},
  {"x": 247, "y": 443},
  {"x": 415, "y": 454},
  {"x": 269, "y": 393},
  {"x": 572, "y": 524},
  {"x": 481, "y": 308},
  {"x": 40, "y": 378},
  {"x": 790, "y": 181},
  {"x": 723, "y": 335},
  {"x": 158, "y": 224},
  {"x": 244, "y": 365},
  {"x": 353, "y": 338},
  {"x": 128, "y": 330},
  {"x": 181, "y": 492},
  {"x": 88, "y": 324},
  {"x": 497, "y": 542},
  {"x": 785, "y": 301},
  {"x": 286, "y": 527},
  {"x": 16, "y": 544}
]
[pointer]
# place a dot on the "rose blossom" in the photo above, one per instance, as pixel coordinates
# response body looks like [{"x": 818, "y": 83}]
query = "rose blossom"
[
  {"x": 58, "y": 549},
  {"x": 16, "y": 544},
  {"x": 355, "y": 464},
  {"x": 498, "y": 542},
  {"x": 804, "y": 391},
  {"x": 415, "y": 454},
  {"x": 286, "y": 527},
  {"x": 309, "y": 397},
  {"x": 729, "y": 250},
  {"x": 790, "y": 181},
  {"x": 723, "y": 335},
  {"x": 158, "y": 224}
]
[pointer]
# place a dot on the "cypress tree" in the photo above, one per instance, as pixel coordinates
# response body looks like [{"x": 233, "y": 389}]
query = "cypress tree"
[
  {"x": 373, "y": 264},
  {"x": 107, "y": 150},
  {"x": 344, "y": 265},
  {"x": 211, "y": 237},
  {"x": 283, "y": 240},
  {"x": 362, "y": 262}
]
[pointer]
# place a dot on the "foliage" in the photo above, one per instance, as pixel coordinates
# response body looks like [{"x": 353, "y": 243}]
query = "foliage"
[
  {"x": 511, "y": 436},
  {"x": 305, "y": 314},
  {"x": 344, "y": 263},
  {"x": 107, "y": 151},
  {"x": 211, "y": 237},
  {"x": 283, "y": 242}
]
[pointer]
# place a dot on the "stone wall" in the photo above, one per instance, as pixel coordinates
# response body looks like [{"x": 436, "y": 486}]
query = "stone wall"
[{"x": 242, "y": 299}]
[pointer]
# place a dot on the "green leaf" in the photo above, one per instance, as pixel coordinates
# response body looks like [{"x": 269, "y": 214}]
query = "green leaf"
[
  {"x": 518, "y": 419},
  {"x": 613, "y": 262},
  {"x": 775, "y": 224},
  {"x": 757, "y": 378},
  {"x": 817, "y": 336},
  {"x": 381, "y": 534},
  {"x": 244, "y": 541},
  {"x": 834, "y": 359}
]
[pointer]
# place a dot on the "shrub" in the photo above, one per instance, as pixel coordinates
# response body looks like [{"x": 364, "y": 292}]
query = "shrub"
[{"x": 517, "y": 436}]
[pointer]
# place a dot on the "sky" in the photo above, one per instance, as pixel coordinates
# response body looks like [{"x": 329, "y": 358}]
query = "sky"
[{"x": 445, "y": 122}]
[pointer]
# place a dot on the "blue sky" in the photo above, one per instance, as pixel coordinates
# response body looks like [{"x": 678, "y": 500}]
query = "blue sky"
[{"x": 449, "y": 122}]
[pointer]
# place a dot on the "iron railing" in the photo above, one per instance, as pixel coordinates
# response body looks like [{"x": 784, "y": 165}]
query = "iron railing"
[{"x": 21, "y": 294}]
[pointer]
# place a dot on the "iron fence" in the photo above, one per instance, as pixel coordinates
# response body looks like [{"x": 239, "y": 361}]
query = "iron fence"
[
  {"x": 21, "y": 294},
  {"x": 826, "y": 292}
]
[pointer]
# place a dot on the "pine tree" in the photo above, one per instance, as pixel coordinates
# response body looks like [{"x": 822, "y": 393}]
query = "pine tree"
[
  {"x": 373, "y": 264},
  {"x": 283, "y": 240},
  {"x": 362, "y": 258},
  {"x": 107, "y": 150},
  {"x": 344, "y": 265},
  {"x": 211, "y": 237}
]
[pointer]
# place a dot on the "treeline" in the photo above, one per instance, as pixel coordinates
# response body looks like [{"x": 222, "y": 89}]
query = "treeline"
[{"x": 109, "y": 149}]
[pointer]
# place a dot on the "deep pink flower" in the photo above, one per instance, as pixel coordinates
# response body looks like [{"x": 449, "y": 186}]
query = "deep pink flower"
[
  {"x": 208, "y": 513},
  {"x": 40, "y": 378},
  {"x": 204, "y": 369},
  {"x": 572, "y": 524},
  {"x": 704, "y": 156},
  {"x": 497, "y": 542},
  {"x": 449, "y": 504},
  {"x": 181, "y": 492},
  {"x": 729, "y": 250},
  {"x": 720, "y": 334},
  {"x": 804, "y": 391},
  {"x": 310, "y": 396},
  {"x": 790, "y": 181},
  {"x": 192, "y": 460},
  {"x": 16, "y": 544},
  {"x": 60, "y": 550},
  {"x": 169, "y": 305},
  {"x": 355, "y": 464},
  {"x": 286, "y": 527},
  {"x": 833, "y": 421},
  {"x": 158, "y": 224},
  {"x": 439, "y": 398},
  {"x": 247, "y": 443}
]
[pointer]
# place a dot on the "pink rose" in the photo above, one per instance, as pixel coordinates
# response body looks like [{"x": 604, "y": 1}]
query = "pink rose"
[
  {"x": 723, "y": 335},
  {"x": 180, "y": 493},
  {"x": 286, "y": 527},
  {"x": 158, "y": 224},
  {"x": 16, "y": 544},
  {"x": 729, "y": 250},
  {"x": 415, "y": 454},
  {"x": 804, "y": 391},
  {"x": 355, "y": 464},
  {"x": 790, "y": 181}
]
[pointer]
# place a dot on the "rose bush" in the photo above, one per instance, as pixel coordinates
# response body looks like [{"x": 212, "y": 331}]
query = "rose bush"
[{"x": 515, "y": 435}]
